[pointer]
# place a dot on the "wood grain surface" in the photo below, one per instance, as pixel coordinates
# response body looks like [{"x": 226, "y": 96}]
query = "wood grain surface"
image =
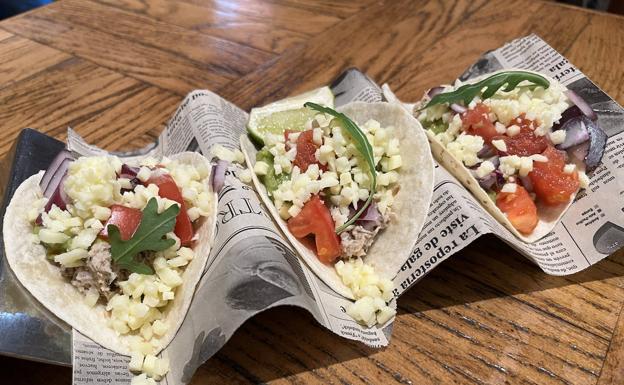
[{"x": 115, "y": 70}]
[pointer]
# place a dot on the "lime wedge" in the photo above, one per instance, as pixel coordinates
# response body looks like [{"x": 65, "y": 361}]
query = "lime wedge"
[{"x": 286, "y": 114}]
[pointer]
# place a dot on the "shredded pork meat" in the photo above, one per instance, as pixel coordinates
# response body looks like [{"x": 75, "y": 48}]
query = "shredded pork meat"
[
  {"x": 98, "y": 272},
  {"x": 357, "y": 239}
]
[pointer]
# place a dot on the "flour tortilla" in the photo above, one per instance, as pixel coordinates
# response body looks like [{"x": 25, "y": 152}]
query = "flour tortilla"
[
  {"x": 548, "y": 216},
  {"x": 393, "y": 245},
  {"x": 43, "y": 279}
]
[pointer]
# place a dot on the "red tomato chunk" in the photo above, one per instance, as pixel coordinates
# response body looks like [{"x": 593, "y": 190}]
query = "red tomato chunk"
[
  {"x": 306, "y": 150},
  {"x": 520, "y": 209},
  {"x": 526, "y": 142},
  {"x": 125, "y": 218},
  {"x": 167, "y": 188},
  {"x": 551, "y": 185},
  {"x": 315, "y": 219},
  {"x": 477, "y": 122}
]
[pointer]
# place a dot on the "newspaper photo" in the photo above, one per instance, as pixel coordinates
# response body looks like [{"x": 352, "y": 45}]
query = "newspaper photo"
[{"x": 252, "y": 267}]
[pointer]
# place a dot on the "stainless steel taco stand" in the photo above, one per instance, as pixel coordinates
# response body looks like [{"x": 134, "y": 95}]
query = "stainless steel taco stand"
[{"x": 27, "y": 329}]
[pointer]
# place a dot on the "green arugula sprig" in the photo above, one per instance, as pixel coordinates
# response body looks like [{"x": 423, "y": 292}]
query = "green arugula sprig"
[
  {"x": 489, "y": 86},
  {"x": 150, "y": 235},
  {"x": 362, "y": 145}
]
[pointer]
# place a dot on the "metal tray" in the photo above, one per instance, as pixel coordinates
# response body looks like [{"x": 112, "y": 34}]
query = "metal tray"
[{"x": 27, "y": 329}]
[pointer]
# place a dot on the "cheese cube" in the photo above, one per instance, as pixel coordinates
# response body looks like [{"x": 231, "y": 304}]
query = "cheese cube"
[
  {"x": 146, "y": 331},
  {"x": 394, "y": 162},
  {"x": 71, "y": 256},
  {"x": 52, "y": 237},
  {"x": 84, "y": 239},
  {"x": 149, "y": 364},
  {"x": 558, "y": 137},
  {"x": 583, "y": 179},
  {"x": 92, "y": 296},
  {"x": 526, "y": 166},
  {"x": 342, "y": 165},
  {"x": 261, "y": 168},
  {"x": 136, "y": 362},
  {"x": 169, "y": 277},
  {"x": 513, "y": 130},
  {"x": 101, "y": 213},
  {"x": 509, "y": 188},
  {"x": 500, "y": 145},
  {"x": 159, "y": 328},
  {"x": 385, "y": 314}
]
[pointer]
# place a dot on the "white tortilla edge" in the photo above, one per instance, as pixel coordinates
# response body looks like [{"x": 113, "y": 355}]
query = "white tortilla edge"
[
  {"x": 43, "y": 279},
  {"x": 394, "y": 245}
]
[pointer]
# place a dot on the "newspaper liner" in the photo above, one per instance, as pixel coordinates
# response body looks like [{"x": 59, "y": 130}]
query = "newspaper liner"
[{"x": 252, "y": 268}]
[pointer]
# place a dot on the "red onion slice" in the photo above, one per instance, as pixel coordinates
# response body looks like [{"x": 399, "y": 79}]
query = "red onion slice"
[
  {"x": 495, "y": 160},
  {"x": 571, "y": 112},
  {"x": 488, "y": 181},
  {"x": 576, "y": 132},
  {"x": 458, "y": 108},
  {"x": 371, "y": 214},
  {"x": 526, "y": 183},
  {"x": 217, "y": 177},
  {"x": 62, "y": 157},
  {"x": 591, "y": 149},
  {"x": 52, "y": 182},
  {"x": 435, "y": 91},
  {"x": 597, "y": 144},
  {"x": 128, "y": 172},
  {"x": 581, "y": 104},
  {"x": 486, "y": 151}
]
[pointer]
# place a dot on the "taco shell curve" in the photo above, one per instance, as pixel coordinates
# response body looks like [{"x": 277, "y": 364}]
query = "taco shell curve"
[
  {"x": 44, "y": 281},
  {"x": 394, "y": 244}
]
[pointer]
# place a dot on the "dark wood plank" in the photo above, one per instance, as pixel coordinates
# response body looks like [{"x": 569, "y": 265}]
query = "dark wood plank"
[
  {"x": 257, "y": 32},
  {"x": 342, "y": 9},
  {"x": 366, "y": 41},
  {"x": 599, "y": 52},
  {"x": 22, "y": 58},
  {"x": 613, "y": 369},
  {"x": 280, "y": 15},
  {"x": 167, "y": 56},
  {"x": 121, "y": 110}
]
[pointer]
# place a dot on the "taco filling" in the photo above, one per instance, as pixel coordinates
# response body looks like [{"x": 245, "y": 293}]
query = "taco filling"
[
  {"x": 524, "y": 138},
  {"x": 122, "y": 236},
  {"x": 334, "y": 184}
]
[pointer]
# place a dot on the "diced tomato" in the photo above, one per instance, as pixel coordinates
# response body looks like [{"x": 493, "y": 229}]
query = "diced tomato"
[
  {"x": 551, "y": 185},
  {"x": 125, "y": 218},
  {"x": 315, "y": 219},
  {"x": 476, "y": 121},
  {"x": 167, "y": 188},
  {"x": 526, "y": 142},
  {"x": 306, "y": 149},
  {"x": 520, "y": 209}
]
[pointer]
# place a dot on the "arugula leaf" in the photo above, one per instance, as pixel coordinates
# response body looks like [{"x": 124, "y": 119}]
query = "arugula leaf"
[
  {"x": 150, "y": 235},
  {"x": 489, "y": 86},
  {"x": 362, "y": 145}
]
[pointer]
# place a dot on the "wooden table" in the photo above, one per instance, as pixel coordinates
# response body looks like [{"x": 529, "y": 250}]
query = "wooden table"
[{"x": 115, "y": 70}]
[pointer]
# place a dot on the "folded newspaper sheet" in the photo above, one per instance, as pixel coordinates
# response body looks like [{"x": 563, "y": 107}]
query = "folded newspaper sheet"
[{"x": 253, "y": 268}]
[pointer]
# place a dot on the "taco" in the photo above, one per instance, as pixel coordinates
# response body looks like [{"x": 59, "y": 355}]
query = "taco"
[
  {"x": 115, "y": 250},
  {"x": 519, "y": 141},
  {"x": 351, "y": 190}
]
